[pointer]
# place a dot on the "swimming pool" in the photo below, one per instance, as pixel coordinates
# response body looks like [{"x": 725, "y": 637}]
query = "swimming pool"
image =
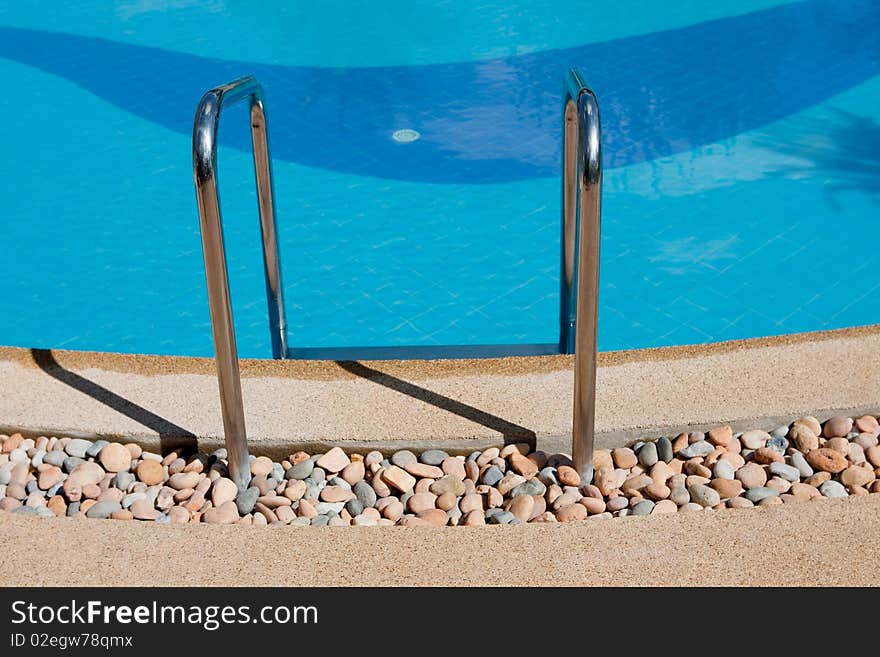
[{"x": 416, "y": 156}]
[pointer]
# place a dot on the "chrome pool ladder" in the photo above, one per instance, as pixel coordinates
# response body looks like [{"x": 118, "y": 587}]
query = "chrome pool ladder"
[
  {"x": 581, "y": 213},
  {"x": 205, "y": 176}
]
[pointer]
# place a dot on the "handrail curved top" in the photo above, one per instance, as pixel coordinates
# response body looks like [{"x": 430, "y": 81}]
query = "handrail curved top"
[{"x": 205, "y": 177}]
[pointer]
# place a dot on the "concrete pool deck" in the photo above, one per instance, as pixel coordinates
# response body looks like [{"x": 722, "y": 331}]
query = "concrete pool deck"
[
  {"x": 455, "y": 404},
  {"x": 459, "y": 406}
]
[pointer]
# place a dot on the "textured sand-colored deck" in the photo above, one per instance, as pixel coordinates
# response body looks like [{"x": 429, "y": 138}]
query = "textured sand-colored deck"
[
  {"x": 456, "y": 405},
  {"x": 830, "y": 543},
  {"x": 461, "y": 405}
]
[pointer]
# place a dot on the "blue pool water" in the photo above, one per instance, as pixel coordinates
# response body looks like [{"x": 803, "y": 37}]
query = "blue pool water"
[{"x": 741, "y": 142}]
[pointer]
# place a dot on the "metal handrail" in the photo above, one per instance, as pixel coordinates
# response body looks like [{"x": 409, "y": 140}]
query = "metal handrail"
[
  {"x": 581, "y": 219},
  {"x": 205, "y": 177}
]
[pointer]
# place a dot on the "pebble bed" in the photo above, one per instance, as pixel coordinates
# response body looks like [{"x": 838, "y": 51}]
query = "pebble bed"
[{"x": 803, "y": 462}]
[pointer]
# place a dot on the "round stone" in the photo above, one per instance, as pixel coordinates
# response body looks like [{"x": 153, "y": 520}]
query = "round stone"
[
  {"x": 150, "y": 472},
  {"x": 365, "y": 493},
  {"x": 568, "y": 476},
  {"x": 115, "y": 457},
  {"x": 402, "y": 458},
  {"x": 664, "y": 449},
  {"x": 754, "y": 439},
  {"x": 573, "y": 512},
  {"x": 262, "y": 465},
  {"x": 833, "y": 489},
  {"x": 727, "y": 488},
  {"x": 223, "y": 490},
  {"x": 448, "y": 484},
  {"x": 827, "y": 460},
  {"x": 755, "y": 495},
  {"x": 103, "y": 509},
  {"x": 642, "y": 508},
  {"x": 704, "y": 495},
  {"x": 799, "y": 462},
  {"x": 183, "y": 480},
  {"x": 433, "y": 457},
  {"x": 837, "y": 426},
  {"x": 752, "y": 475},
  {"x": 624, "y": 458},
  {"x": 77, "y": 447},
  {"x": 787, "y": 472},
  {"x": 700, "y": 448},
  {"x": 856, "y": 476},
  {"x": 723, "y": 470},
  {"x": 301, "y": 470},
  {"x": 648, "y": 455}
]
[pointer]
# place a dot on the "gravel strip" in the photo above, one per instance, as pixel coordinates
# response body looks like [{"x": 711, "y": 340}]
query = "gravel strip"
[{"x": 804, "y": 462}]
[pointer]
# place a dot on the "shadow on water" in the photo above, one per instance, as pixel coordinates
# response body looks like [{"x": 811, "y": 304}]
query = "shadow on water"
[
  {"x": 513, "y": 433},
  {"x": 842, "y": 149},
  {"x": 171, "y": 436}
]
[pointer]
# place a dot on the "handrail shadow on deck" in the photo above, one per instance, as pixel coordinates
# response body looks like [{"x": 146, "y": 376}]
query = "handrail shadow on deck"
[
  {"x": 171, "y": 436},
  {"x": 512, "y": 433}
]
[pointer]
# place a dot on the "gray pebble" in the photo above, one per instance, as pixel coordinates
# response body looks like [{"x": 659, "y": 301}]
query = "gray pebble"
[
  {"x": 312, "y": 490},
  {"x": 492, "y": 475},
  {"x": 77, "y": 447},
  {"x": 319, "y": 521},
  {"x": 318, "y": 475},
  {"x": 699, "y": 448},
  {"x": 365, "y": 494},
  {"x": 493, "y": 511},
  {"x": 433, "y": 457},
  {"x": 403, "y": 458},
  {"x": 25, "y": 510},
  {"x": 72, "y": 509},
  {"x": 704, "y": 495},
  {"x": 759, "y": 493},
  {"x": 5, "y": 476},
  {"x": 643, "y": 508},
  {"x": 503, "y": 518},
  {"x": 780, "y": 431},
  {"x": 95, "y": 448},
  {"x": 664, "y": 449},
  {"x": 277, "y": 472},
  {"x": 529, "y": 487},
  {"x": 18, "y": 456},
  {"x": 245, "y": 500},
  {"x": 723, "y": 470},
  {"x": 163, "y": 519},
  {"x": 300, "y": 522},
  {"x": 778, "y": 444},
  {"x": 301, "y": 470},
  {"x": 70, "y": 463},
  {"x": 45, "y": 512},
  {"x": 324, "y": 508},
  {"x": 787, "y": 472},
  {"x": 55, "y": 457},
  {"x": 354, "y": 507},
  {"x": 337, "y": 522},
  {"x": 129, "y": 499},
  {"x": 53, "y": 490},
  {"x": 548, "y": 476},
  {"x": 385, "y": 463},
  {"x": 833, "y": 489},
  {"x": 103, "y": 509},
  {"x": 37, "y": 458},
  {"x": 648, "y": 455},
  {"x": 798, "y": 461},
  {"x": 32, "y": 487},
  {"x": 123, "y": 480},
  {"x": 339, "y": 481},
  {"x": 473, "y": 456}
]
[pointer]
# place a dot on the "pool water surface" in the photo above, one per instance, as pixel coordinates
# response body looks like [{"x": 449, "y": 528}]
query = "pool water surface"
[{"x": 417, "y": 156}]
